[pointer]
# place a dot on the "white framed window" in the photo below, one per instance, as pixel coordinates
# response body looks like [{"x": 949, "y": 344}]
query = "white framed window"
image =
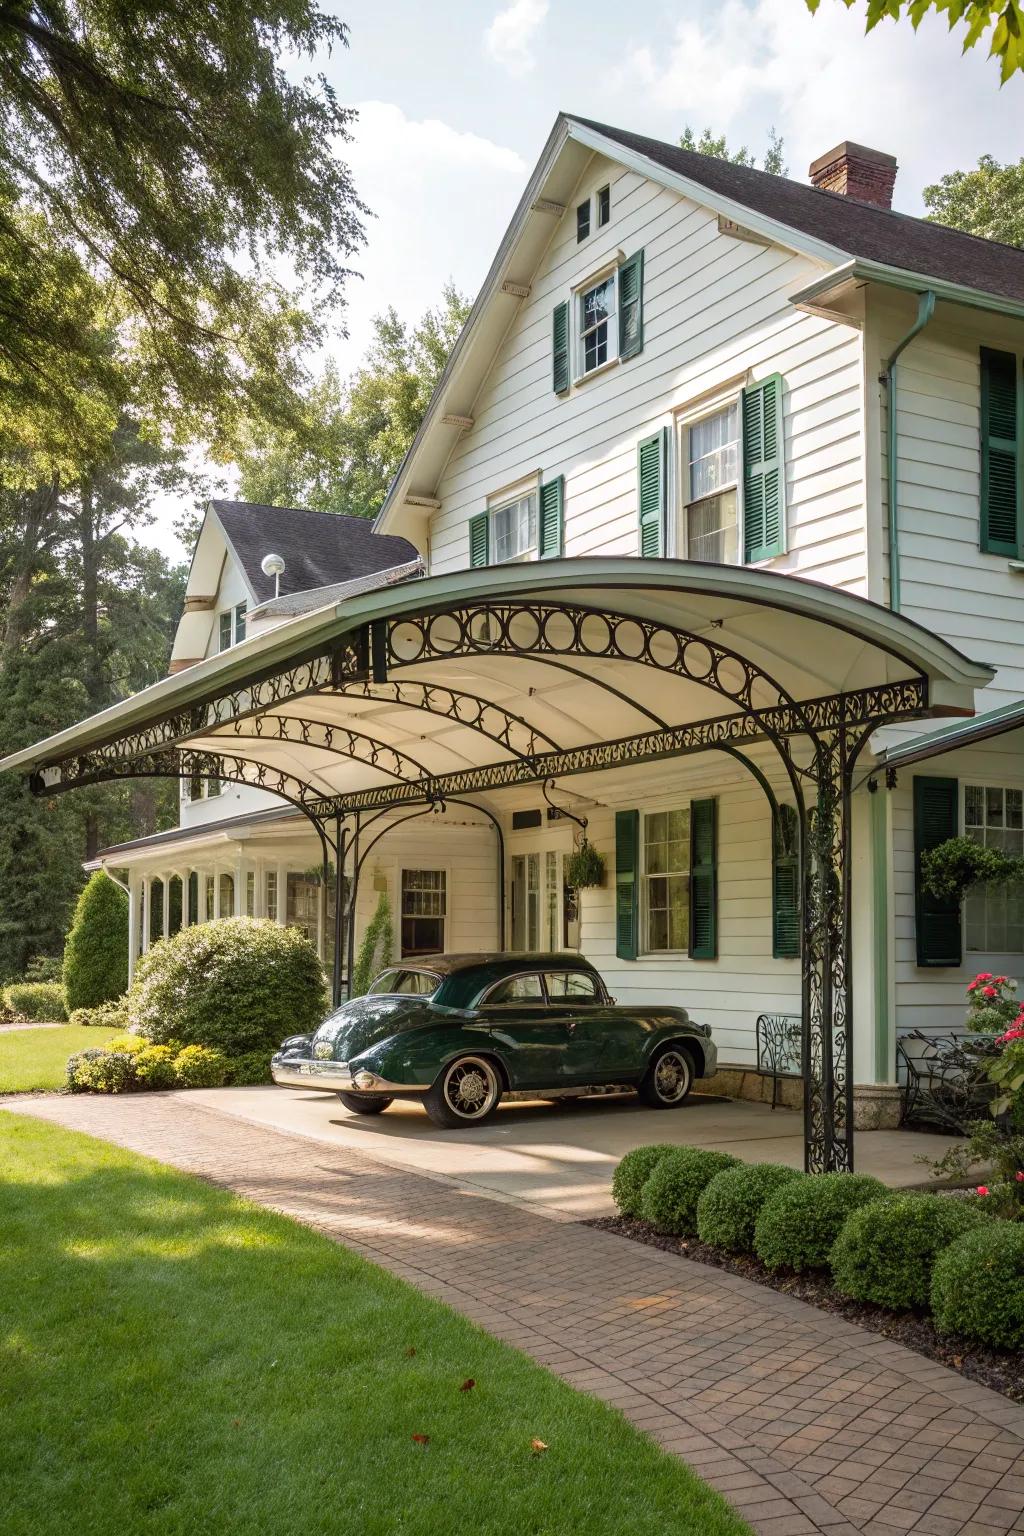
[
  {"x": 514, "y": 529},
  {"x": 993, "y": 815},
  {"x": 710, "y": 458},
  {"x": 424, "y": 911},
  {"x": 271, "y": 895},
  {"x": 231, "y": 626},
  {"x": 597, "y": 329},
  {"x": 604, "y": 206},
  {"x": 583, "y": 220},
  {"x": 665, "y": 882}
]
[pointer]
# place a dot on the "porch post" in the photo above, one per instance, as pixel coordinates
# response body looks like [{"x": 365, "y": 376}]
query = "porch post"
[
  {"x": 185, "y": 878},
  {"x": 133, "y": 925},
  {"x": 827, "y": 992},
  {"x": 146, "y": 913},
  {"x": 353, "y": 894},
  {"x": 165, "y": 905},
  {"x": 339, "y": 909}
]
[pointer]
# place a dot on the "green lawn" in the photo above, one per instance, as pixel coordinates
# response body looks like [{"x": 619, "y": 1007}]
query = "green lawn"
[
  {"x": 36, "y": 1058},
  {"x": 178, "y": 1362}
]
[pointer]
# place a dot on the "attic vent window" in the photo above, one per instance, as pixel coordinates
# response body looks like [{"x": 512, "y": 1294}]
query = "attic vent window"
[
  {"x": 583, "y": 220},
  {"x": 604, "y": 206}
]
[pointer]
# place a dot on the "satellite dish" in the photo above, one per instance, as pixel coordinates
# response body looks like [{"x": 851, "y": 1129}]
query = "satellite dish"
[{"x": 273, "y": 565}]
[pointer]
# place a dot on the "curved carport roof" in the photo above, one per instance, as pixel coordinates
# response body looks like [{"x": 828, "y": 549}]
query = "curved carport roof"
[{"x": 508, "y": 674}]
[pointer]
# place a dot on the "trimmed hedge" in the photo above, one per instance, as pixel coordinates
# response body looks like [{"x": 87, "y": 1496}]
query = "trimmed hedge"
[
  {"x": 237, "y": 985},
  {"x": 632, "y": 1174},
  {"x": 200, "y": 1066},
  {"x": 39, "y": 1001},
  {"x": 978, "y": 1285},
  {"x": 800, "y": 1222},
  {"x": 96, "y": 950},
  {"x": 670, "y": 1196},
  {"x": 886, "y": 1249},
  {"x": 728, "y": 1209}
]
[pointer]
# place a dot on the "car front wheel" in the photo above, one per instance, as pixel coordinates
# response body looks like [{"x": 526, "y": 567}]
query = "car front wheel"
[
  {"x": 365, "y": 1104},
  {"x": 668, "y": 1079},
  {"x": 466, "y": 1092}
]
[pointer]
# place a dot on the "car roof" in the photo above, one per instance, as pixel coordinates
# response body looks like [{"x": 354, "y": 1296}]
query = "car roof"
[{"x": 498, "y": 963}]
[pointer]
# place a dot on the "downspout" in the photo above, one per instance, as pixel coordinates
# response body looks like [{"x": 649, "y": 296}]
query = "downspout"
[{"x": 925, "y": 310}]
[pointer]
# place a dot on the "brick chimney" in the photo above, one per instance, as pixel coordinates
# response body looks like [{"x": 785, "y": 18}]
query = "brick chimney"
[{"x": 853, "y": 171}]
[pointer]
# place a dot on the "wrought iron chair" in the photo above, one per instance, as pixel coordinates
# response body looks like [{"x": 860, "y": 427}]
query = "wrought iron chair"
[
  {"x": 943, "y": 1076},
  {"x": 779, "y": 1051}
]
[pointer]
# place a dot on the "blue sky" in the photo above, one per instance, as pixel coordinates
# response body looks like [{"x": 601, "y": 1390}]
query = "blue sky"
[{"x": 456, "y": 98}]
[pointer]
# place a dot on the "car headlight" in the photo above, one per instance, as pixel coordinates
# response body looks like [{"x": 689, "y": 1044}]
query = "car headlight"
[{"x": 364, "y": 1080}]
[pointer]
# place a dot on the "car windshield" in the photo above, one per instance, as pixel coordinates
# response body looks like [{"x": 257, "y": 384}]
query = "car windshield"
[{"x": 405, "y": 982}]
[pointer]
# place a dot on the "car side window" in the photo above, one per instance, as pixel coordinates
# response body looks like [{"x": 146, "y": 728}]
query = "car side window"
[
  {"x": 581, "y": 986},
  {"x": 517, "y": 989}
]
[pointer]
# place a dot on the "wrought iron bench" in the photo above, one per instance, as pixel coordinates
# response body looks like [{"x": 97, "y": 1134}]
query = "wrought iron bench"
[
  {"x": 779, "y": 1052},
  {"x": 943, "y": 1076}
]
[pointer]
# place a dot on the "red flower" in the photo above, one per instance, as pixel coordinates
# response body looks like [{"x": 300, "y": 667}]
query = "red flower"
[
  {"x": 988, "y": 992},
  {"x": 971, "y": 986},
  {"x": 982, "y": 1189},
  {"x": 984, "y": 976},
  {"x": 1020, "y": 1175},
  {"x": 1011, "y": 1034}
]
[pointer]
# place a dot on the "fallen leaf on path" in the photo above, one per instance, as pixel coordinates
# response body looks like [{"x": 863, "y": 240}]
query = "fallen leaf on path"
[
  {"x": 467, "y": 1385},
  {"x": 422, "y": 1439},
  {"x": 409, "y": 1353},
  {"x": 537, "y": 1446}
]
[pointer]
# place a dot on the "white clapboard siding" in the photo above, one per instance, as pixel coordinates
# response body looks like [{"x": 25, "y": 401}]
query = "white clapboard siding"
[
  {"x": 727, "y": 993},
  {"x": 714, "y": 308},
  {"x": 947, "y": 583},
  {"x": 926, "y": 997},
  {"x": 469, "y": 856}
]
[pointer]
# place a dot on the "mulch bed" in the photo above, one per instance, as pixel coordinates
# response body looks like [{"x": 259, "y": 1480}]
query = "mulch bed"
[{"x": 1003, "y": 1372}]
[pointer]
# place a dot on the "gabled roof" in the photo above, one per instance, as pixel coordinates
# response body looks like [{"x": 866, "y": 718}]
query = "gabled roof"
[
  {"x": 318, "y": 548},
  {"x": 859, "y": 229},
  {"x": 852, "y": 240}
]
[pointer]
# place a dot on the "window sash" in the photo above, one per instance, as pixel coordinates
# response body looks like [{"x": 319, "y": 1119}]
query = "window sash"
[
  {"x": 514, "y": 529},
  {"x": 665, "y": 881},
  {"x": 994, "y": 915},
  {"x": 597, "y": 333},
  {"x": 708, "y": 524}
]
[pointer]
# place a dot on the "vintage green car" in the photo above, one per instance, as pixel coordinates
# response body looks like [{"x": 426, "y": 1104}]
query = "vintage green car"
[{"x": 460, "y": 1032}]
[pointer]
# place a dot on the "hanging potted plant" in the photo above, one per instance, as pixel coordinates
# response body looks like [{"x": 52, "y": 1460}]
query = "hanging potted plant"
[{"x": 584, "y": 866}]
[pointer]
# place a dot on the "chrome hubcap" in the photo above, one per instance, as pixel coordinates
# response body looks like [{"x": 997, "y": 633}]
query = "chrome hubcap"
[
  {"x": 470, "y": 1088},
  {"x": 671, "y": 1077}
]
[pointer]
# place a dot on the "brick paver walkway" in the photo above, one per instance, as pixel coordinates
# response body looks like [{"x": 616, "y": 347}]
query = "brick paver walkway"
[{"x": 806, "y": 1423}]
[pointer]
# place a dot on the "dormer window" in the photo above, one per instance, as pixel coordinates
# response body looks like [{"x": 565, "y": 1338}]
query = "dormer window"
[{"x": 232, "y": 626}]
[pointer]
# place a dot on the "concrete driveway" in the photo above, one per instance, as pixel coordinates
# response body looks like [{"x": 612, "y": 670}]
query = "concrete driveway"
[{"x": 559, "y": 1157}]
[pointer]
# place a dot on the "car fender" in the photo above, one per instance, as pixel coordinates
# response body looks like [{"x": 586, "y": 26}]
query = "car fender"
[
  {"x": 676, "y": 1032},
  {"x": 419, "y": 1055}
]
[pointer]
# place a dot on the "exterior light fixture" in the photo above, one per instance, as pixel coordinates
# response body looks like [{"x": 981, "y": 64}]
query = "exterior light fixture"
[{"x": 273, "y": 565}]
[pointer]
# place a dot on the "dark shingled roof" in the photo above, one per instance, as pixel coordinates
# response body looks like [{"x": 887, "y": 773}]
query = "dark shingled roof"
[
  {"x": 318, "y": 548},
  {"x": 859, "y": 229}
]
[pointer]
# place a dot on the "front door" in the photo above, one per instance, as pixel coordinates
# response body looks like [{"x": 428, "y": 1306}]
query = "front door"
[{"x": 544, "y": 913}]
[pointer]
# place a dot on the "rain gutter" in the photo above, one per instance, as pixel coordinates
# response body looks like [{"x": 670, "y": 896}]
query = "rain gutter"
[{"x": 925, "y": 311}]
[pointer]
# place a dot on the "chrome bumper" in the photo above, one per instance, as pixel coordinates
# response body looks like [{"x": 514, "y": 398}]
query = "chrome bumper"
[{"x": 333, "y": 1077}]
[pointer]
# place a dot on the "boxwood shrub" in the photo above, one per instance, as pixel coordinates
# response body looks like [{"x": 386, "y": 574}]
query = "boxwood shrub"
[
  {"x": 978, "y": 1285},
  {"x": 38, "y": 1001},
  {"x": 728, "y": 1209},
  {"x": 887, "y": 1248},
  {"x": 800, "y": 1222},
  {"x": 679, "y": 1178},
  {"x": 96, "y": 951},
  {"x": 237, "y": 985},
  {"x": 632, "y": 1174}
]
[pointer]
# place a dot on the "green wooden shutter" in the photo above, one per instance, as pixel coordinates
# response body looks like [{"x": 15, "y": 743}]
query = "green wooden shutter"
[
  {"x": 480, "y": 539},
  {"x": 785, "y": 884},
  {"x": 631, "y": 306},
  {"x": 936, "y": 818},
  {"x": 651, "y": 477},
  {"x": 704, "y": 879},
  {"x": 552, "y": 499},
  {"x": 560, "y": 349},
  {"x": 764, "y": 473},
  {"x": 627, "y": 852},
  {"x": 1000, "y": 454}
]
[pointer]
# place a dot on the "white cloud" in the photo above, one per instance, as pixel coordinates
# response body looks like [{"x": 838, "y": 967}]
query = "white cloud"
[
  {"x": 819, "y": 79},
  {"x": 441, "y": 199},
  {"x": 510, "y": 36}
]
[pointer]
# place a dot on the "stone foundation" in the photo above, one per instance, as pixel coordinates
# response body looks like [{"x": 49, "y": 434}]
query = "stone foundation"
[{"x": 876, "y": 1106}]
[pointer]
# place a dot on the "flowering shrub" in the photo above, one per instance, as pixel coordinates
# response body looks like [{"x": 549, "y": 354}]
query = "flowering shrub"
[
  {"x": 992, "y": 1003},
  {"x": 102, "y": 1071},
  {"x": 1007, "y": 1072},
  {"x": 155, "y": 1066}
]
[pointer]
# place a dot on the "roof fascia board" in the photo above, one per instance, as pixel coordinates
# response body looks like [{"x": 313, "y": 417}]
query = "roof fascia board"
[
  {"x": 556, "y": 142},
  {"x": 772, "y": 229},
  {"x": 863, "y": 271},
  {"x": 949, "y": 738}
]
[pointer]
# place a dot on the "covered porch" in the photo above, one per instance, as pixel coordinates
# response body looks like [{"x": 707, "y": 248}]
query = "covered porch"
[{"x": 607, "y": 689}]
